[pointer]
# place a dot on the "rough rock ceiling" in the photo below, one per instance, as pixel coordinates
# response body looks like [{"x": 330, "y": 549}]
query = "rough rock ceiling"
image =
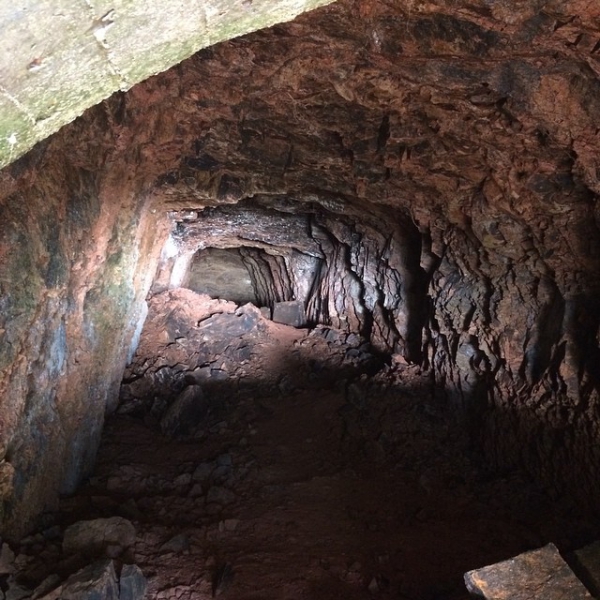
[
  {"x": 484, "y": 112},
  {"x": 425, "y": 103},
  {"x": 59, "y": 57}
]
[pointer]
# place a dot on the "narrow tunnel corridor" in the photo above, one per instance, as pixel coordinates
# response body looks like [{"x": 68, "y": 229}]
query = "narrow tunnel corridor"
[
  {"x": 315, "y": 313},
  {"x": 314, "y": 457}
]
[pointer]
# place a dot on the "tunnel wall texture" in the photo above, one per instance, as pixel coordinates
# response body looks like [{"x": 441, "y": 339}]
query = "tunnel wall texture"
[
  {"x": 77, "y": 252},
  {"x": 460, "y": 145}
]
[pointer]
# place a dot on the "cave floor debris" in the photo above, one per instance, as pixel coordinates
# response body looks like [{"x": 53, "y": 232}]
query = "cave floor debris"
[{"x": 308, "y": 476}]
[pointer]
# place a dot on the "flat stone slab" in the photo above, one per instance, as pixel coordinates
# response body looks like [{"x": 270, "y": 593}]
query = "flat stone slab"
[
  {"x": 289, "y": 313},
  {"x": 539, "y": 574}
]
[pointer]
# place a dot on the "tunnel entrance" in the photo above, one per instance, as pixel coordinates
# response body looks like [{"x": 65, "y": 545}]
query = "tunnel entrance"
[{"x": 221, "y": 273}]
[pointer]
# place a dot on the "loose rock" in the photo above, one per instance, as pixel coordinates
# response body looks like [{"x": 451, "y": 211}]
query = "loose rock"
[
  {"x": 532, "y": 575},
  {"x": 93, "y": 538},
  {"x": 186, "y": 412},
  {"x": 133, "y": 584},
  {"x": 97, "y": 581}
]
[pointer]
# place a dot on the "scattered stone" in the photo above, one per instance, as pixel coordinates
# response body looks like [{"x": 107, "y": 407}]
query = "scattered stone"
[
  {"x": 201, "y": 374},
  {"x": 226, "y": 326},
  {"x": 16, "y": 591},
  {"x": 532, "y": 575},
  {"x": 130, "y": 510},
  {"x": 179, "y": 543},
  {"x": 186, "y": 412},
  {"x": 203, "y": 471},
  {"x": 289, "y": 313},
  {"x": 183, "y": 480},
  {"x": 221, "y": 474},
  {"x": 378, "y": 584},
  {"x": 52, "y": 533},
  {"x": 356, "y": 396},
  {"x": 97, "y": 581},
  {"x": 53, "y": 595},
  {"x": 218, "y": 375},
  {"x": 133, "y": 584},
  {"x": 229, "y": 524},
  {"x": 93, "y": 538},
  {"x": 114, "y": 483},
  {"x": 220, "y": 495},
  {"x": 196, "y": 491},
  {"x": 224, "y": 460}
]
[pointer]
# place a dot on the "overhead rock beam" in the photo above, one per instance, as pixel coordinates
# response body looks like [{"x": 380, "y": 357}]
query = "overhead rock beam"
[{"x": 59, "y": 57}]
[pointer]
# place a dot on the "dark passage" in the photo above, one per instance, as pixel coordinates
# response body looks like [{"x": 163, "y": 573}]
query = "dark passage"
[{"x": 257, "y": 460}]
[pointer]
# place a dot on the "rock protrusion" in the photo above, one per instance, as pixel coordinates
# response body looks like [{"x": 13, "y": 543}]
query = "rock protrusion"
[{"x": 186, "y": 412}]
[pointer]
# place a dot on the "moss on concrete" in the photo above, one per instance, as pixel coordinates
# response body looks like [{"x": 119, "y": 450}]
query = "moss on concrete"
[{"x": 57, "y": 60}]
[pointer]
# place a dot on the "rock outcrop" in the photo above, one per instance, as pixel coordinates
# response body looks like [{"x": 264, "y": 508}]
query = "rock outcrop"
[{"x": 431, "y": 168}]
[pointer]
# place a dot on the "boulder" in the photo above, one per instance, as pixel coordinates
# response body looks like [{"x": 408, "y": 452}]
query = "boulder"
[
  {"x": 99, "y": 536},
  {"x": 289, "y": 313}
]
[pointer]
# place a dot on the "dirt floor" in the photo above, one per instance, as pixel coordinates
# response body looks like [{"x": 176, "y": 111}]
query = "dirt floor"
[{"x": 312, "y": 469}]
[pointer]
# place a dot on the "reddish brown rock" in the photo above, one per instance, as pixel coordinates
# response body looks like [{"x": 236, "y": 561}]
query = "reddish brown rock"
[
  {"x": 530, "y": 576},
  {"x": 445, "y": 159}
]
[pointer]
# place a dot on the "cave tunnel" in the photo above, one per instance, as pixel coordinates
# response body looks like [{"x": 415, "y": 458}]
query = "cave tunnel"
[{"x": 314, "y": 313}]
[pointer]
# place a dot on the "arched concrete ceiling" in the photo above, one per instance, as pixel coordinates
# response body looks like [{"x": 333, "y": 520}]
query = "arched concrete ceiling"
[{"x": 59, "y": 57}]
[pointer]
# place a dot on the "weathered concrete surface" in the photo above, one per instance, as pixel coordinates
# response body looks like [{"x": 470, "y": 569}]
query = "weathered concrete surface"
[
  {"x": 59, "y": 57},
  {"x": 536, "y": 575}
]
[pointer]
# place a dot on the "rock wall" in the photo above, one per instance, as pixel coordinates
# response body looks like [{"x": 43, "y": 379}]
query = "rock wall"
[
  {"x": 465, "y": 141},
  {"x": 77, "y": 249},
  {"x": 513, "y": 337}
]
